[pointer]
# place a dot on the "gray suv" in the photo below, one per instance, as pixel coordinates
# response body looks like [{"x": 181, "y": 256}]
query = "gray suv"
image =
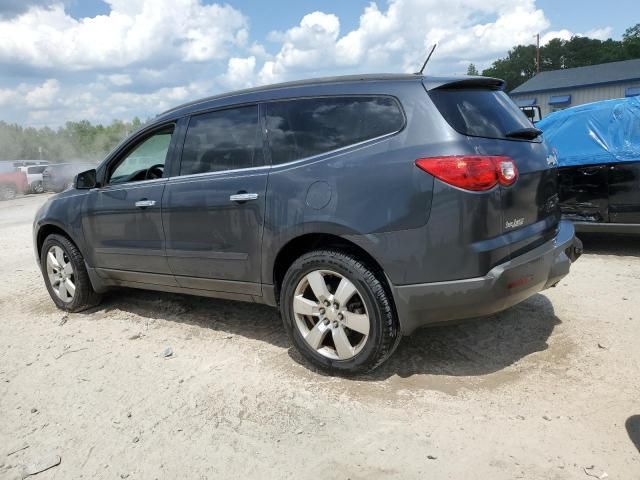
[{"x": 362, "y": 207}]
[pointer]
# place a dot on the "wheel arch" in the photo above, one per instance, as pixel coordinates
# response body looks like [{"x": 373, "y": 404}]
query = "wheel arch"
[
  {"x": 48, "y": 229},
  {"x": 308, "y": 242}
]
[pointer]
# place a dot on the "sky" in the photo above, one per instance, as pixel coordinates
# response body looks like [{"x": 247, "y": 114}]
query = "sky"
[{"x": 101, "y": 60}]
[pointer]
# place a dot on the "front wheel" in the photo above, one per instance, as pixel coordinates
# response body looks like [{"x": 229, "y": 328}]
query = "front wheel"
[
  {"x": 65, "y": 275},
  {"x": 338, "y": 313}
]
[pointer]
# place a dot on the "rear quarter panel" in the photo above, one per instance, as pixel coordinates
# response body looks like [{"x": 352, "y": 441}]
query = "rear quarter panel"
[{"x": 358, "y": 192}]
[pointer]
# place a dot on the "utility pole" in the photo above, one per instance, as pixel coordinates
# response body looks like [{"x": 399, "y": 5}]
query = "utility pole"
[{"x": 538, "y": 53}]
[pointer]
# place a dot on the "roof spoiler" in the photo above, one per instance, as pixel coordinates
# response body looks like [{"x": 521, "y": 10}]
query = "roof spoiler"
[{"x": 463, "y": 83}]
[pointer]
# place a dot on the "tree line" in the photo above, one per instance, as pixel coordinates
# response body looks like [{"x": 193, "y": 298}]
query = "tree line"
[
  {"x": 74, "y": 141},
  {"x": 520, "y": 63}
]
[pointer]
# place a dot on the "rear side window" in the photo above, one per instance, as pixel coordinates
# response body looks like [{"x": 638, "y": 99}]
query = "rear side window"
[
  {"x": 305, "y": 127},
  {"x": 479, "y": 112},
  {"x": 222, "y": 140}
]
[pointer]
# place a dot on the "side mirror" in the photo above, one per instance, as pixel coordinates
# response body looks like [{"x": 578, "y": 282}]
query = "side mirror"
[{"x": 86, "y": 180}]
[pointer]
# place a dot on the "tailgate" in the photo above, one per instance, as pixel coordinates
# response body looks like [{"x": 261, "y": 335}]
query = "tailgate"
[{"x": 494, "y": 125}]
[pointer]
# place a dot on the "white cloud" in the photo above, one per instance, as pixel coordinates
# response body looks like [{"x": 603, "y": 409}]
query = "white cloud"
[
  {"x": 397, "y": 39},
  {"x": 135, "y": 31},
  {"x": 7, "y": 96},
  {"x": 599, "y": 33},
  {"x": 120, "y": 79},
  {"x": 240, "y": 73},
  {"x": 43, "y": 96},
  {"x": 564, "y": 34},
  {"x": 148, "y": 55},
  {"x": 308, "y": 46}
]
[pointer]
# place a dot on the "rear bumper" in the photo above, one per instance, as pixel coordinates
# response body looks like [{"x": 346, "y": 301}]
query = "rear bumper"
[{"x": 505, "y": 285}]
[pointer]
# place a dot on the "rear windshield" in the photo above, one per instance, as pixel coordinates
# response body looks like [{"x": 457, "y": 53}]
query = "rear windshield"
[{"x": 479, "y": 112}]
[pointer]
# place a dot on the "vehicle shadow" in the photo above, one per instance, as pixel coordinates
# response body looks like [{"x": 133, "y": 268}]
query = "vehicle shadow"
[
  {"x": 472, "y": 348},
  {"x": 633, "y": 430},
  {"x": 249, "y": 320},
  {"x": 608, "y": 244}
]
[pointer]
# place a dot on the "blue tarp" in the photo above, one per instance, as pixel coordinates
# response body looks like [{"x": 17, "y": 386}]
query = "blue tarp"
[{"x": 595, "y": 133}]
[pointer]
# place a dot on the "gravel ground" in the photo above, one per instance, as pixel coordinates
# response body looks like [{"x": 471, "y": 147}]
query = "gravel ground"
[{"x": 543, "y": 390}]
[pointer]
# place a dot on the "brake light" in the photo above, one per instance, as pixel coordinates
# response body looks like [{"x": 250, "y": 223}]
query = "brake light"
[{"x": 471, "y": 172}]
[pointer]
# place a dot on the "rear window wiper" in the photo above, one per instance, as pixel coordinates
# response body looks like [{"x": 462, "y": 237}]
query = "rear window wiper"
[{"x": 528, "y": 133}]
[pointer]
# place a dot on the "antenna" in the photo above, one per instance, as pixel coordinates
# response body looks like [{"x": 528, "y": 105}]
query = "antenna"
[{"x": 427, "y": 60}]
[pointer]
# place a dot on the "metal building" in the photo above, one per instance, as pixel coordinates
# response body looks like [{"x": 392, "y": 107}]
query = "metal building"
[{"x": 559, "y": 89}]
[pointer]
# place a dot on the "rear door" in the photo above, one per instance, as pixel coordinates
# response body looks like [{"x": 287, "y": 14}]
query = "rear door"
[
  {"x": 493, "y": 125},
  {"x": 213, "y": 211}
]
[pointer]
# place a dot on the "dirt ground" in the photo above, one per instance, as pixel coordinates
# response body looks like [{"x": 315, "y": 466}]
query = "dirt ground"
[{"x": 541, "y": 391}]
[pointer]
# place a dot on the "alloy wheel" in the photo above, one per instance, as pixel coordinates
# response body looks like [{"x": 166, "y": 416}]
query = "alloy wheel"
[
  {"x": 330, "y": 314},
  {"x": 61, "y": 274}
]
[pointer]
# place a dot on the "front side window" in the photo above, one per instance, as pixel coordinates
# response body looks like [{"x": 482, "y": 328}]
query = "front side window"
[
  {"x": 222, "y": 140},
  {"x": 145, "y": 162},
  {"x": 305, "y": 127}
]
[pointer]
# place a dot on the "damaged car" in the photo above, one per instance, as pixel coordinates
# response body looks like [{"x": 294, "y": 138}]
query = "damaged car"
[{"x": 598, "y": 152}]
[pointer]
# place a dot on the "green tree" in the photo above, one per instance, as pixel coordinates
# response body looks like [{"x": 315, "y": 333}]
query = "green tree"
[
  {"x": 631, "y": 41},
  {"x": 472, "y": 70},
  {"x": 552, "y": 55},
  {"x": 516, "y": 68},
  {"x": 519, "y": 64},
  {"x": 73, "y": 141}
]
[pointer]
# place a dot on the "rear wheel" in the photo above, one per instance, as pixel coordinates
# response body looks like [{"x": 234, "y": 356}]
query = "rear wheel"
[
  {"x": 8, "y": 191},
  {"x": 338, "y": 313},
  {"x": 37, "y": 187},
  {"x": 65, "y": 275}
]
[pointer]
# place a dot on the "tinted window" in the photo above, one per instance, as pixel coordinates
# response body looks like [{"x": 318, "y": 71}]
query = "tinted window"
[
  {"x": 479, "y": 112},
  {"x": 306, "y": 127},
  {"x": 36, "y": 169},
  {"x": 222, "y": 140}
]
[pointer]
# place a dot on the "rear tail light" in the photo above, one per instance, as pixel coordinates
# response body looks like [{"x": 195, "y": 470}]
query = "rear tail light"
[{"x": 471, "y": 172}]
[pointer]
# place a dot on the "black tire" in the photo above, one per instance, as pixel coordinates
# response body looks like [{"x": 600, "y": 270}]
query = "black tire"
[
  {"x": 384, "y": 332},
  {"x": 37, "y": 187},
  {"x": 84, "y": 296},
  {"x": 8, "y": 191}
]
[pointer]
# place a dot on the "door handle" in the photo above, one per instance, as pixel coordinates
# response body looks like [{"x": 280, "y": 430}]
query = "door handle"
[
  {"x": 145, "y": 203},
  {"x": 243, "y": 197}
]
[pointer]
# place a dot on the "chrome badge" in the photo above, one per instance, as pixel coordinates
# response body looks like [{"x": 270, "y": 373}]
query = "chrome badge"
[{"x": 516, "y": 222}]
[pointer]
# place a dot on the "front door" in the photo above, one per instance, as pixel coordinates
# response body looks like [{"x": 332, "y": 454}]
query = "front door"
[
  {"x": 123, "y": 218},
  {"x": 213, "y": 211}
]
